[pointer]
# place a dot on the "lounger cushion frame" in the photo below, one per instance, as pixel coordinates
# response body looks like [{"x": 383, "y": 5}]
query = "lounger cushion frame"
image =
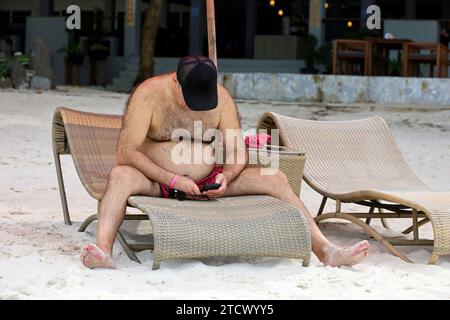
[
  {"x": 237, "y": 226},
  {"x": 359, "y": 162}
]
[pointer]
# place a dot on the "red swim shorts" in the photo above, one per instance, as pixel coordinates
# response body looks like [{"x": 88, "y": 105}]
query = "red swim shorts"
[{"x": 210, "y": 179}]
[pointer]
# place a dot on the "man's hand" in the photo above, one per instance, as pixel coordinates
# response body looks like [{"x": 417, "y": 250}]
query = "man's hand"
[
  {"x": 219, "y": 193},
  {"x": 187, "y": 185}
]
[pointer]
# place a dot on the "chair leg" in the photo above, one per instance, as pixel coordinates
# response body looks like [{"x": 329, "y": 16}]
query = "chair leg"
[
  {"x": 338, "y": 206},
  {"x": 369, "y": 230},
  {"x": 368, "y": 220},
  {"x": 122, "y": 241},
  {"x": 405, "y": 66},
  {"x": 62, "y": 190},
  {"x": 90, "y": 219},
  {"x": 384, "y": 221},
  {"x": 130, "y": 253},
  {"x": 322, "y": 205},
  {"x": 419, "y": 224},
  {"x": 306, "y": 262},
  {"x": 415, "y": 225},
  {"x": 87, "y": 222},
  {"x": 434, "y": 259}
]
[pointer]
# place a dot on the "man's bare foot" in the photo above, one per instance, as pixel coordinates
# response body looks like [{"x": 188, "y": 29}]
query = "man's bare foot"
[
  {"x": 94, "y": 257},
  {"x": 337, "y": 257}
]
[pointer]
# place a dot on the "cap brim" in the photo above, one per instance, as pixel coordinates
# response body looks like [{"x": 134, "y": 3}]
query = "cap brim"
[{"x": 200, "y": 100}]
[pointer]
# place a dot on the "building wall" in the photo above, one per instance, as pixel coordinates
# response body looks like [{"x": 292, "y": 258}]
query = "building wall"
[
  {"x": 14, "y": 5},
  {"x": 408, "y": 29},
  {"x": 59, "y": 5},
  {"x": 52, "y": 30},
  {"x": 89, "y": 5}
]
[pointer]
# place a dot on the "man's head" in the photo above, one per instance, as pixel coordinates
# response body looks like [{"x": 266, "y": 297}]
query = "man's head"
[{"x": 197, "y": 76}]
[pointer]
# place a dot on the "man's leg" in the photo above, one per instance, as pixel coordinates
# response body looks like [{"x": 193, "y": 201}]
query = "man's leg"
[
  {"x": 123, "y": 182},
  {"x": 250, "y": 181}
]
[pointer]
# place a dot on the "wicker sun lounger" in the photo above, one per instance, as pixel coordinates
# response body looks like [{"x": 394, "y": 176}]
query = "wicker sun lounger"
[
  {"x": 360, "y": 162},
  {"x": 238, "y": 226}
]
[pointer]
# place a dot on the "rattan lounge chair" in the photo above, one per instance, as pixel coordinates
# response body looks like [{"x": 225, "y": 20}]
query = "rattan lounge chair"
[
  {"x": 238, "y": 226},
  {"x": 360, "y": 162}
]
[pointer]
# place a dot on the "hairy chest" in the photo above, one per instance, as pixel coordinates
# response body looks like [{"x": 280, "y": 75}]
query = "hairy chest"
[{"x": 166, "y": 125}]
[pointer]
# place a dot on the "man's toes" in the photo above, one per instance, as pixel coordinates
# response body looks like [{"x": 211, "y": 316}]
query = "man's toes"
[
  {"x": 86, "y": 260},
  {"x": 362, "y": 247},
  {"x": 93, "y": 257}
]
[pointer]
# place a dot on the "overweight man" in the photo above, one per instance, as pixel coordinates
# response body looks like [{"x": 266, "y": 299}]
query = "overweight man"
[{"x": 147, "y": 165}]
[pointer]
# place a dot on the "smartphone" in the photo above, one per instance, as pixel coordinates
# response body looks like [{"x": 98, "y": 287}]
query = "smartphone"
[{"x": 212, "y": 186}]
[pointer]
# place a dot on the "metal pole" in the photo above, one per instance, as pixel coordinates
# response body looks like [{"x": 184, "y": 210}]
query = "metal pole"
[
  {"x": 211, "y": 19},
  {"x": 196, "y": 27},
  {"x": 250, "y": 28}
]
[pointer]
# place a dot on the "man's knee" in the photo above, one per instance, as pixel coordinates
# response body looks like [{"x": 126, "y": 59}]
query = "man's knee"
[
  {"x": 121, "y": 175},
  {"x": 278, "y": 179}
]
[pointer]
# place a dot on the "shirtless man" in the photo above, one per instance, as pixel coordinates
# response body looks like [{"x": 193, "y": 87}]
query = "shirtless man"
[{"x": 161, "y": 105}]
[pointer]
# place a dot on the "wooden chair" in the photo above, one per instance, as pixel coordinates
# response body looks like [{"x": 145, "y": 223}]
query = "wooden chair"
[
  {"x": 433, "y": 54},
  {"x": 351, "y": 57}
]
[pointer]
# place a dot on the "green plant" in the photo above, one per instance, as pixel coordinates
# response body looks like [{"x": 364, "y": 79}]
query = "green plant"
[
  {"x": 98, "y": 47},
  {"x": 98, "y": 51},
  {"x": 74, "y": 53},
  {"x": 317, "y": 56},
  {"x": 73, "y": 48},
  {"x": 311, "y": 53},
  {"x": 395, "y": 67},
  {"x": 324, "y": 57},
  {"x": 6, "y": 64}
]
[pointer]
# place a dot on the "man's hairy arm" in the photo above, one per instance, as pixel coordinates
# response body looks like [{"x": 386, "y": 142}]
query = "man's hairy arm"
[
  {"x": 137, "y": 121},
  {"x": 234, "y": 150}
]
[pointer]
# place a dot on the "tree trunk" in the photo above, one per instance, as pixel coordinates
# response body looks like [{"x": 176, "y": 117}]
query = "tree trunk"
[{"x": 148, "y": 41}]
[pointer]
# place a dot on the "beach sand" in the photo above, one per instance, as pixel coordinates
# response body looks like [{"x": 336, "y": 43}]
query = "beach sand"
[{"x": 39, "y": 254}]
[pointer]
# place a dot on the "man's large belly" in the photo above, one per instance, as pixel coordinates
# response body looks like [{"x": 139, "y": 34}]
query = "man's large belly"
[{"x": 187, "y": 158}]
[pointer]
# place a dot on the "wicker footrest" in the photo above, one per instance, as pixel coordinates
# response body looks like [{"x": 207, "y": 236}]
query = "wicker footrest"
[{"x": 235, "y": 226}]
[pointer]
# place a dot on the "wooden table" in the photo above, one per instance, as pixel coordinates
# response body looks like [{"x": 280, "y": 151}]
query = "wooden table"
[{"x": 380, "y": 50}]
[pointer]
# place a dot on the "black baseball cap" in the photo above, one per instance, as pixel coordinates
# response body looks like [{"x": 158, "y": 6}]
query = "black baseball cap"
[{"x": 197, "y": 76}]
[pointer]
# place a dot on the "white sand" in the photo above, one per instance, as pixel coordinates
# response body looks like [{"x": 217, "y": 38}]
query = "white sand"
[{"x": 39, "y": 254}]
